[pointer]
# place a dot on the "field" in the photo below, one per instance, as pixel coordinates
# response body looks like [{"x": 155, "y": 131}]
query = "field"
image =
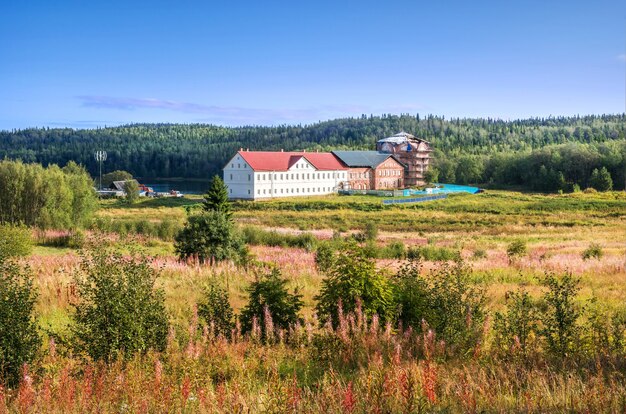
[{"x": 376, "y": 369}]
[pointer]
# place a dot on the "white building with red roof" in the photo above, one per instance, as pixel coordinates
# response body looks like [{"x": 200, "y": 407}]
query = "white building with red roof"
[{"x": 254, "y": 175}]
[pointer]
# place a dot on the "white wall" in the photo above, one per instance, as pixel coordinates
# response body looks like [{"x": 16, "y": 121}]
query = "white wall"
[{"x": 302, "y": 179}]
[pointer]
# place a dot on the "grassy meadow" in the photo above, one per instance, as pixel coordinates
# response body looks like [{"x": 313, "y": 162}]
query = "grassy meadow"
[{"x": 376, "y": 369}]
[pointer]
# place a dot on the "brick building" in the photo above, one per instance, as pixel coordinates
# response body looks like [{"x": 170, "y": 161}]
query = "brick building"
[{"x": 372, "y": 170}]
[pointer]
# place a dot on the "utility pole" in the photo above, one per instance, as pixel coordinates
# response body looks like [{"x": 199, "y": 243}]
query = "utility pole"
[{"x": 100, "y": 156}]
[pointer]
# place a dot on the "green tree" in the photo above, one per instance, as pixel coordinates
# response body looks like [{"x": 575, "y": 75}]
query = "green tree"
[
  {"x": 601, "y": 180},
  {"x": 268, "y": 300},
  {"x": 351, "y": 277},
  {"x": 209, "y": 237},
  {"x": 216, "y": 199},
  {"x": 120, "y": 312},
  {"x": 118, "y": 175},
  {"x": 217, "y": 311},
  {"x": 432, "y": 175},
  {"x": 131, "y": 188},
  {"x": 84, "y": 202},
  {"x": 19, "y": 339}
]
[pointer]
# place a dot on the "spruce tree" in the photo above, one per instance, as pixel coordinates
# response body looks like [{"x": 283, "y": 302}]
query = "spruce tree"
[
  {"x": 216, "y": 198},
  {"x": 601, "y": 180}
]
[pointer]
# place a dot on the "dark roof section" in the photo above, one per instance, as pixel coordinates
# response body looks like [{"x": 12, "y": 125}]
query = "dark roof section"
[{"x": 370, "y": 159}]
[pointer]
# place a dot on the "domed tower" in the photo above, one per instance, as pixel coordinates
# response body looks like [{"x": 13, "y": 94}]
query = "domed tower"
[{"x": 414, "y": 152}]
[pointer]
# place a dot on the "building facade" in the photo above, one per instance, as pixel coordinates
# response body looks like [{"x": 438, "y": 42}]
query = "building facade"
[
  {"x": 252, "y": 175},
  {"x": 372, "y": 170},
  {"x": 414, "y": 153}
]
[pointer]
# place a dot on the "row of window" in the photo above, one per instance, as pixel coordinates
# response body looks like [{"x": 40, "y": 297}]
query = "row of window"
[
  {"x": 276, "y": 191},
  {"x": 297, "y": 176},
  {"x": 388, "y": 173}
]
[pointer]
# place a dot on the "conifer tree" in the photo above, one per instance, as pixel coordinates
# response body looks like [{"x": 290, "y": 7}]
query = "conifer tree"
[{"x": 216, "y": 198}]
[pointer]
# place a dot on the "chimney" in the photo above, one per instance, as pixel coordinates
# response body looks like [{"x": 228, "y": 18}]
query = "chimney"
[
  {"x": 240, "y": 149},
  {"x": 303, "y": 150},
  {"x": 247, "y": 149},
  {"x": 281, "y": 150}
]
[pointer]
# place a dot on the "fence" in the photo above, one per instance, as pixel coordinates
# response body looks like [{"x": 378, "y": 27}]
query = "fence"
[{"x": 415, "y": 200}]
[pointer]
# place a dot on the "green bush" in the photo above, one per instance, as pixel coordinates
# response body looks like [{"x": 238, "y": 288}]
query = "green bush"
[
  {"x": 216, "y": 310},
  {"x": 593, "y": 251},
  {"x": 515, "y": 327},
  {"x": 516, "y": 249},
  {"x": 15, "y": 241},
  {"x": 19, "y": 340},
  {"x": 324, "y": 257},
  {"x": 394, "y": 250},
  {"x": 209, "y": 237},
  {"x": 433, "y": 254},
  {"x": 119, "y": 312},
  {"x": 270, "y": 302},
  {"x": 479, "y": 254},
  {"x": 412, "y": 294},
  {"x": 560, "y": 315},
  {"x": 258, "y": 236},
  {"x": 350, "y": 278}
]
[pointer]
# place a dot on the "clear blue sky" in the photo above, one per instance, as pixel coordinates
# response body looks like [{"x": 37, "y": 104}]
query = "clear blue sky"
[{"x": 81, "y": 64}]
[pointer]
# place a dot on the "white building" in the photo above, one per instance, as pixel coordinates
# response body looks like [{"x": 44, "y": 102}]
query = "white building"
[{"x": 254, "y": 175}]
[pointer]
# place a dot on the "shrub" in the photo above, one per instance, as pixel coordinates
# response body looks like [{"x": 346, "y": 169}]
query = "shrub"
[
  {"x": 456, "y": 306},
  {"x": 19, "y": 340},
  {"x": 560, "y": 317},
  {"x": 209, "y": 237},
  {"x": 15, "y": 241},
  {"x": 433, "y": 253},
  {"x": 394, "y": 250},
  {"x": 216, "y": 310},
  {"x": 119, "y": 311},
  {"x": 270, "y": 302},
  {"x": 324, "y": 257},
  {"x": 516, "y": 249},
  {"x": 412, "y": 294},
  {"x": 167, "y": 229},
  {"x": 258, "y": 236},
  {"x": 350, "y": 278},
  {"x": 371, "y": 231},
  {"x": 514, "y": 328},
  {"x": 593, "y": 251},
  {"x": 479, "y": 254}
]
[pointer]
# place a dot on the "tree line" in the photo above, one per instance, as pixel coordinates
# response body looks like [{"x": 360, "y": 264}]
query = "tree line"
[
  {"x": 46, "y": 197},
  {"x": 467, "y": 150}
]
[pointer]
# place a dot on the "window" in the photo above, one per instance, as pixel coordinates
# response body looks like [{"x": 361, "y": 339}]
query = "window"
[
  {"x": 258, "y": 191},
  {"x": 238, "y": 165},
  {"x": 231, "y": 177},
  {"x": 263, "y": 191},
  {"x": 232, "y": 165},
  {"x": 249, "y": 177},
  {"x": 248, "y": 191},
  {"x": 231, "y": 190},
  {"x": 281, "y": 176}
]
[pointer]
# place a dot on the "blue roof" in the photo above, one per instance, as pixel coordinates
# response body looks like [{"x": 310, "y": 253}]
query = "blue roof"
[{"x": 371, "y": 159}]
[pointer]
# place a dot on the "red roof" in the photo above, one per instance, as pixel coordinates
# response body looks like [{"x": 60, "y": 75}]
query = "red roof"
[{"x": 282, "y": 161}]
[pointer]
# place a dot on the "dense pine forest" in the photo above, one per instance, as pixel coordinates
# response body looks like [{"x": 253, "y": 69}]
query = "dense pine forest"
[{"x": 544, "y": 154}]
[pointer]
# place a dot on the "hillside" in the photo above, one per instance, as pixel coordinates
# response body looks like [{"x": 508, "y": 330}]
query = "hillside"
[{"x": 468, "y": 150}]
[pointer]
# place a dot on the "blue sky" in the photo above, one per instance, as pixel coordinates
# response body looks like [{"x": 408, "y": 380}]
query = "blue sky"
[{"x": 84, "y": 64}]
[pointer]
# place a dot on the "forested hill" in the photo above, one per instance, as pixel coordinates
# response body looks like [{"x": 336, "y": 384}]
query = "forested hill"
[{"x": 199, "y": 151}]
